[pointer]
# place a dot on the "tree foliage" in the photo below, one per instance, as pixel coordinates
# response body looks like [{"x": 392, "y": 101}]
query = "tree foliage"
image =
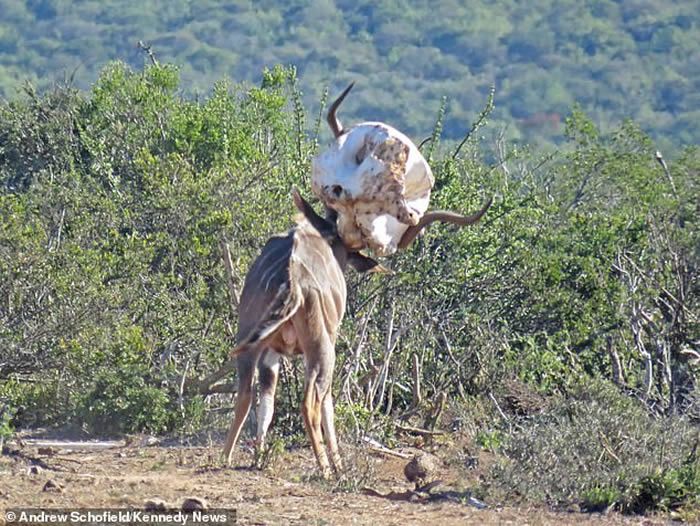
[
  {"x": 115, "y": 209},
  {"x": 634, "y": 60}
]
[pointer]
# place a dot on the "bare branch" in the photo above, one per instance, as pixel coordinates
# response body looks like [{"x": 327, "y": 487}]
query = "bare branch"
[
  {"x": 225, "y": 249},
  {"x": 203, "y": 386},
  {"x": 667, "y": 172},
  {"x": 148, "y": 48},
  {"x": 379, "y": 448},
  {"x": 417, "y": 396},
  {"x": 418, "y": 430}
]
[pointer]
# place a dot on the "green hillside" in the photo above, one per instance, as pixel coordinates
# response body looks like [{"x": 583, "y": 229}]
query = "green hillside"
[{"x": 635, "y": 59}]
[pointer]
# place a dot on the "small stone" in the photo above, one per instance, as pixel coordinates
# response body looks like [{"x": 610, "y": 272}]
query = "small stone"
[
  {"x": 194, "y": 504},
  {"x": 35, "y": 470},
  {"x": 155, "y": 504},
  {"x": 421, "y": 468},
  {"x": 52, "y": 485}
]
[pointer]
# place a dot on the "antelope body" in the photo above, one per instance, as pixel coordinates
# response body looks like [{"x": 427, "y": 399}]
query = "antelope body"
[
  {"x": 292, "y": 304},
  {"x": 293, "y": 300}
]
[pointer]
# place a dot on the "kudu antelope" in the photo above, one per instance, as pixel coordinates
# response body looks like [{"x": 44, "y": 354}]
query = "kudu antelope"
[
  {"x": 292, "y": 303},
  {"x": 379, "y": 185}
]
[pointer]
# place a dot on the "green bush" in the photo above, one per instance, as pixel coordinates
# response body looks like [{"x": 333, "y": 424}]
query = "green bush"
[
  {"x": 122, "y": 401},
  {"x": 674, "y": 490},
  {"x": 115, "y": 207},
  {"x": 670, "y": 489},
  {"x": 6, "y": 429},
  {"x": 600, "y": 498},
  {"x": 600, "y": 449}
]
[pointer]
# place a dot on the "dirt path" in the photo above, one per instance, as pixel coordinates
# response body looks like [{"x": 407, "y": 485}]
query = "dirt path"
[{"x": 119, "y": 476}]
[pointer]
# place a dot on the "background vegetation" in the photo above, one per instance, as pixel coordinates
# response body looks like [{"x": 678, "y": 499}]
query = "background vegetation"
[
  {"x": 636, "y": 59},
  {"x": 561, "y": 334}
]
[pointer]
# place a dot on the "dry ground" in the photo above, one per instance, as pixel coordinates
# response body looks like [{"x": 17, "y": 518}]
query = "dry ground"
[{"x": 124, "y": 476}]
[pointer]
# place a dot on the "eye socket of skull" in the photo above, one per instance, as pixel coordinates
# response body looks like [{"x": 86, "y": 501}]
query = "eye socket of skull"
[{"x": 361, "y": 154}]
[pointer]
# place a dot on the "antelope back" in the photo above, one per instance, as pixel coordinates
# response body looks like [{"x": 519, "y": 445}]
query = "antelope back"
[{"x": 290, "y": 267}]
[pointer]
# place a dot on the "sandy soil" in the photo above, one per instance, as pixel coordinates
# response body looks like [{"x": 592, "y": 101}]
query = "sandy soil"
[{"x": 123, "y": 475}]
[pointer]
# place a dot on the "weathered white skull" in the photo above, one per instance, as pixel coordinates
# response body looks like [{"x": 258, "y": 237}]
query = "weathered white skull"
[{"x": 378, "y": 182}]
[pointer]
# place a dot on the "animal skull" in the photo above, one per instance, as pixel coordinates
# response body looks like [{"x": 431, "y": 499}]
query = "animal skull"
[
  {"x": 377, "y": 184},
  {"x": 377, "y": 181}
]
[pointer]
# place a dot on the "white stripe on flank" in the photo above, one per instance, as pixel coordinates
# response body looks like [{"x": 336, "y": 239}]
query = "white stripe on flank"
[{"x": 272, "y": 270}]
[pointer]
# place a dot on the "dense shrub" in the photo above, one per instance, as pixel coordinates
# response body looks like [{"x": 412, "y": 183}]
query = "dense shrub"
[
  {"x": 115, "y": 207},
  {"x": 602, "y": 449}
]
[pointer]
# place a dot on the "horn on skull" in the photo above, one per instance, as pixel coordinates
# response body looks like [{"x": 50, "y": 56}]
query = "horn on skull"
[
  {"x": 445, "y": 217},
  {"x": 332, "y": 118}
]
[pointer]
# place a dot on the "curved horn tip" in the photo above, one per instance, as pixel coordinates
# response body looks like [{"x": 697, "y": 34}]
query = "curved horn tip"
[
  {"x": 333, "y": 121},
  {"x": 477, "y": 217},
  {"x": 296, "y": 195},
  {"x": 345, "y": 92},
  {"x": 439, "y": 215}
]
